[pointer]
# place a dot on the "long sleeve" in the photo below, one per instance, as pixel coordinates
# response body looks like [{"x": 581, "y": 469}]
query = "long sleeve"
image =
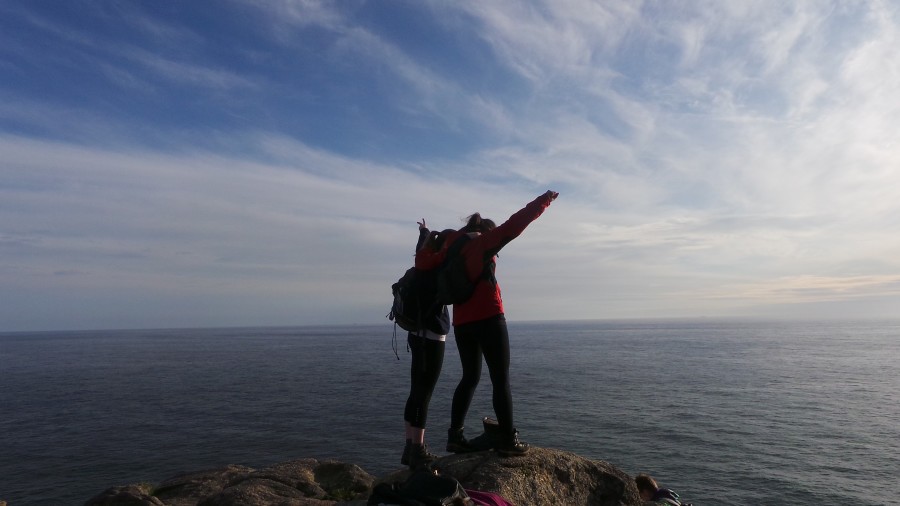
[{"x": 423, "y": 236}]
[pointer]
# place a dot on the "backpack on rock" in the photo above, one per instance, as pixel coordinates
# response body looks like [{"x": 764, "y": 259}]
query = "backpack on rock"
[{"x": 422, "y": 488}]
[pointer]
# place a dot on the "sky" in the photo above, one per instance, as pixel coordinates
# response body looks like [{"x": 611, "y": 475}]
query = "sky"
[{"x": 228, "y": 163}]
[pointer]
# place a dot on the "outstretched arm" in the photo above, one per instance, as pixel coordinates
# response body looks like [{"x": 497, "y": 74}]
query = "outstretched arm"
[{"x": 495, "y": 240}]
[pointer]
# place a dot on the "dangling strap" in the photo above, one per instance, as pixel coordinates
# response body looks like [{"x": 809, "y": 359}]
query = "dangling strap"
[{"x": 394, "y": 342}]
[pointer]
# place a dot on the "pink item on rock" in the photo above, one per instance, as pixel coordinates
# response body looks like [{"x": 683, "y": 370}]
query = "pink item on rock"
[{"x": 487, "y": 498}]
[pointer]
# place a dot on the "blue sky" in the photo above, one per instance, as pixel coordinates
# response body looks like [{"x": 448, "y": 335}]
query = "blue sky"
[{"x": 230, "y": 163}]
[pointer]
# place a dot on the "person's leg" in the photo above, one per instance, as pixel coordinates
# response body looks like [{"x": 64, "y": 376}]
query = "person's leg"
[
  {"x": 470, "y": 359},
  {"x": 495, "y": 346},
  {"x": 417, "y": 351},
  {"x": 426, "y": 369},
  {"x": 413, "y": 401},
  {"x": 433, "y": 358}
]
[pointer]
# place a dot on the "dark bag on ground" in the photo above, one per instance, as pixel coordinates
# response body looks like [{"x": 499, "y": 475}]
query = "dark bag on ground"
[{"x": 422, "y": 488}]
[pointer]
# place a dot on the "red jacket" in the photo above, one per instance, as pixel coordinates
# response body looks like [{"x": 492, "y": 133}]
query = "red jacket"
[{"x": 486, "y": 300}]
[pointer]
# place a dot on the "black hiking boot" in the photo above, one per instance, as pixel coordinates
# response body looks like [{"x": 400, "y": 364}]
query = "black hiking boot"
[
  {"x": 457, "y": 442},
  {"x": 491, "y": 426},
  {"x": 510, "y": 446},
  {"x": 404, "y": 460},
  {"x": 420, "y": 457},
  {"x": 483, "y": 442},
  {"x": 488, "y": 439}
]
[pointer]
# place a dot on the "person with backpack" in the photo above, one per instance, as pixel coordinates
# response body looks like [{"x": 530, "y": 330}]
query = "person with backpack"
[
  {"x": 652, "y": 494},
  {"x": 426, "y": 345},
  {"x": 479, "y": 323}
]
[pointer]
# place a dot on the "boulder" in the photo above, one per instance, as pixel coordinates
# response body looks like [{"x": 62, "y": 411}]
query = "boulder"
[
  {"x": 541, "y": 477},
  {"x": 190, "y": 488},
  {"x": 129, "y": 495},
  {"x": 304, "y": 482}
]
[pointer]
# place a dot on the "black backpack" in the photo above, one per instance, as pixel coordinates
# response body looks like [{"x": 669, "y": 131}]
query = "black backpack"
[
  {"x": 416, "y": 304},
  {"x": 405, "y": 310},
  {"x": 453, "y": 283},
  {"x": 422, "y": 488}
]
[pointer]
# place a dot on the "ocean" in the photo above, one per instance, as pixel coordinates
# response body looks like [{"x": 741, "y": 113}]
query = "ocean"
[{"x": 723, "y": 412}]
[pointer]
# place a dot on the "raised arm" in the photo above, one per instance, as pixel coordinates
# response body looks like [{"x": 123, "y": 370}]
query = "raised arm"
[
  {"x": 423, "y": 234},
  {"x": 494, "y": 240}
]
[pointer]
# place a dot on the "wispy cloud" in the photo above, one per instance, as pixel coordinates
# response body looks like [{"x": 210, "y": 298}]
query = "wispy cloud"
[{"x": 713, "y": 158}]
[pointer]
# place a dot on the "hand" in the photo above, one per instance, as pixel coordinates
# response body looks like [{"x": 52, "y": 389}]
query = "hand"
[
  {"x": 422, "y": 224},
  {"x": 551, "y": 195}
]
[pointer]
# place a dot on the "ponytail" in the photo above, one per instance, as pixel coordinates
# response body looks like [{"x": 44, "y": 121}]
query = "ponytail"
[{"x": 475, "y": 223}]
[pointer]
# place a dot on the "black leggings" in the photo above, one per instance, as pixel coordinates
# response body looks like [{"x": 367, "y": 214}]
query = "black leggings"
[
  {"x": 427, "y": 359},
  {"x": 489, "y": 339}
]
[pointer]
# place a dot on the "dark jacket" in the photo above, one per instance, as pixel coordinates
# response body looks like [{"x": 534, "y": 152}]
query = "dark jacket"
[{"x": 435, "y": 317}]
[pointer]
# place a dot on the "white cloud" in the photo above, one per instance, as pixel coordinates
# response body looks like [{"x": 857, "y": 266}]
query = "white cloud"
[
  {"x": 308, "y": 220},
  {"x": 754, "y": 168},
  {"x": 541, "y": 39},
  {"x": 189, "y": 73}
]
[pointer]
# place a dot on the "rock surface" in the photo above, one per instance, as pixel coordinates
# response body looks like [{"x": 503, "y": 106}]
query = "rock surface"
[
  {"x": 304, "y": 482},
  {"x": 542, "y": 477}
]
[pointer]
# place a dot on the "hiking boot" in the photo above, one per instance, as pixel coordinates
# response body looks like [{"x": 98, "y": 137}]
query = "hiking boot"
[
  {"x": 404, "y": 460},
  {"x": 491, "y": 426},
  {"x": 420, "y": 457},
  {"x": 510, "y": 446},
  {"x": 457, "y": 442},
  {"x": 484, "y": 441}
]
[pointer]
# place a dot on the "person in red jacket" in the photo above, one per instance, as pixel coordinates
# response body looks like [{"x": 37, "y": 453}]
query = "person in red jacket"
[{"x": 479, "y": 323}]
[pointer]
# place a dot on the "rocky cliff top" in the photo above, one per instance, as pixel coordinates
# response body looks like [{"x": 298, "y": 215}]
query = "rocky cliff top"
[{"x": 542, "y": 477}]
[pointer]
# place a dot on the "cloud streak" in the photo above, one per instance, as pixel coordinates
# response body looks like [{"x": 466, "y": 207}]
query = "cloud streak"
[{"x": 713, "y": 159}]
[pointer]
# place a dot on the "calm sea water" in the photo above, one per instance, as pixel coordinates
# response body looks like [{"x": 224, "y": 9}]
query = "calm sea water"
[{"x": 796, "y": 413}]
